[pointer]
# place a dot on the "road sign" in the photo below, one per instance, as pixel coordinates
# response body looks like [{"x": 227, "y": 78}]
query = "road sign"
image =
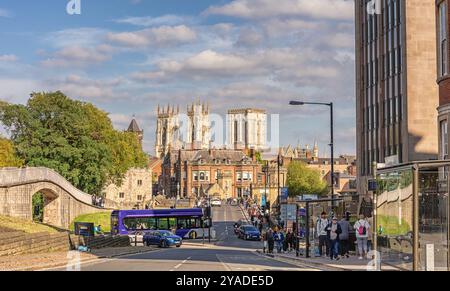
[
  {"x": 284, "y": 194},
  {"x": 372, "y": 185}
]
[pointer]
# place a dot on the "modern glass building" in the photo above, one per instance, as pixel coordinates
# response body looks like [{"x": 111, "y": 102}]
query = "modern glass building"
[{"x": 412, "y": 216}]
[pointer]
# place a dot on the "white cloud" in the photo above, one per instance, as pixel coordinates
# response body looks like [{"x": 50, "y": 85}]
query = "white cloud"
[
  {"x": 84, "y": 88},
  {"x": 8, "y": 58},
  {"x": 18, "y": 90},
  {"x": 76, "y": 56},
  {"x": 249, "y": 37},
  {"x": 82, "y": 37},
  {"x": 324, "y": 9},
  {"x": 169, "y": 19},
  {"x": 212, "y": 64},
  {"x": 160, "y": 36},
  {"x": 5, "y": 13}
]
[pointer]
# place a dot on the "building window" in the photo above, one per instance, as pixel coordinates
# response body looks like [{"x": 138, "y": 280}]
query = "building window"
[
  {"x": 139, "y": 182},
  {"x": 139, "y": 197},
  {"x": 121, "y": 195},
  {"x": 443, "y": 42},
  {"x": 444, "y": 139}
]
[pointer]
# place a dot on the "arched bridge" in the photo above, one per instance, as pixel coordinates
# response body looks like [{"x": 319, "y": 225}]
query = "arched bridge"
[{"x": 62, "y": 201}]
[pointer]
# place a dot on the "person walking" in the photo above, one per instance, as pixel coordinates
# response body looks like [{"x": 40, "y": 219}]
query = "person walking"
[
  {"x": 344, "y": 237},
  {"x": 289, "y": 240},
  {"x": 362, "y": 227},
  {"x": 322, "y": 224},
  {"x": 270, "y": 240},
  {"x": 333, "y": 232},
  {"x": 265, "y": 245},
  {"x": 369, "y": 235},
  {"x": 277, "y": 239}
]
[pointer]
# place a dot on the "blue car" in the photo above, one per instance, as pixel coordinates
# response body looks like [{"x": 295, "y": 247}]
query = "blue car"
[
  {"x": 249, "y": 232},
  {"x": 162, "y": 238}
]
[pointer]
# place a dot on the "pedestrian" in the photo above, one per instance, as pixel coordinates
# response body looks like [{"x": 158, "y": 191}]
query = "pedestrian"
[
  {"x": 265, "y": 245},
  {"x": 369, "y": 235},
  {"x": 322, "y": 224},
  {"x": 288, "y": 240},
  {"x": 333, "y": 232},
  {"x": 270, "y": 240},
  {"x": 362, "y": 227},
  {"x": 276, "y": 239},
  {"x": 285, "y": 243},
  {"x": 344, "y": 237},
  {"x": 279, "y": 238}
]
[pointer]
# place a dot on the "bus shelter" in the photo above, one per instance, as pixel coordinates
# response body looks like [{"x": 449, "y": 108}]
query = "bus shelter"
[{"x": 412, "y": 216}]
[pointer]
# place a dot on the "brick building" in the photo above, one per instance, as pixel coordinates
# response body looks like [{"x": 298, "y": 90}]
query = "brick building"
[{"x": 215, "y": 172}]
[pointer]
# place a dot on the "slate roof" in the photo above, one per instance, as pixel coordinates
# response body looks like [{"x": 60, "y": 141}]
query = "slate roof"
[{"x": 134, "y": 127}]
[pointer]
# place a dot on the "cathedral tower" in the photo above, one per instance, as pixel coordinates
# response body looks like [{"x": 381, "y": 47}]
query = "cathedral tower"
[
  {"x": 198, "y": 129},
  {"x": 167, "y": 130}
]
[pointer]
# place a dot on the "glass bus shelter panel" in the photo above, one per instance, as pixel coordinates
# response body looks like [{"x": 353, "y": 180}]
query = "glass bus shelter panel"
[
  {"x": 433, "y": 218},
  {"x": 395, "y": 218}
]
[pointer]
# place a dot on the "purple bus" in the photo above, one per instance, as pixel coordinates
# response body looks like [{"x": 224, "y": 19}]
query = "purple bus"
[{"x": 187, "y": 223}]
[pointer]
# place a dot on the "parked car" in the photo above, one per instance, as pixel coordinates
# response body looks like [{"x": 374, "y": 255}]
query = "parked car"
[
  {"x": 162, "y": 238},
  {"x": 216, "y": 202},
  {"x": 249, "y": 232}
]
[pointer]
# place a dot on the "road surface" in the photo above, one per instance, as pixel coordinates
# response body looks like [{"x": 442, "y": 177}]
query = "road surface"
[{"x": 228, "y": 253}]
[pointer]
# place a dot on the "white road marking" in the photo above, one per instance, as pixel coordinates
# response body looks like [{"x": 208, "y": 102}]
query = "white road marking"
[
  {"x": 180, "y": 264},
  {"x": 223, "y": 264}
]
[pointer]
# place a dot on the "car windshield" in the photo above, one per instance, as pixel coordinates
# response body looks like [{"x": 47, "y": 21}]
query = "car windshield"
[
  {"x": 166, "y": 233},
  {"x": 250, "y": 228}
]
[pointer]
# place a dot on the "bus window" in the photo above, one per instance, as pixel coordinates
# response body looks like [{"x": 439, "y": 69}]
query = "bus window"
[
  {"x": 195, "y": 223},
  {"x": 139, "y": 223},
  {"x": 163, "y": 223},
  {"x": 182, "y": 223},
  {"x": 172, "y": 223},
  {"x": 114, "y": 224}
]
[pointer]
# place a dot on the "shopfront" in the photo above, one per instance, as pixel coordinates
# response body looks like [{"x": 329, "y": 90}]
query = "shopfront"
[{"x": 412, "y": 216}]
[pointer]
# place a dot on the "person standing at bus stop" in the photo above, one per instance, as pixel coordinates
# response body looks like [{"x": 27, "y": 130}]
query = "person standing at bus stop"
[
  {"x": 333, "y": 232},
  {"x": 345, "y": 236},
  {"x": 362, "y": 227},
  {"x": 321, "y": 229}
]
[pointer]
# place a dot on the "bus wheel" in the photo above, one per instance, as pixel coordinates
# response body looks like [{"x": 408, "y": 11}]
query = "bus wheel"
[{"x": 193, "y": 235}]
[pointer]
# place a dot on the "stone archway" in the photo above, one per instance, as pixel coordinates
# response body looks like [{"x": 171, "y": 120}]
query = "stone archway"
[{"x": 51, "y": 204}]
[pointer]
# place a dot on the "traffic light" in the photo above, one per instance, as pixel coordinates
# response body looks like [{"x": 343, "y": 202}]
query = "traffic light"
[{"x": 207, "y": 212}]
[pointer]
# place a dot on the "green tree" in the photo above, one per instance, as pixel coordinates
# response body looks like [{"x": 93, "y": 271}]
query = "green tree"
[
  {"x": 303, "y": 180},
  {"x": 74, "y": 138},
  {"x": 8, "y": 156}
]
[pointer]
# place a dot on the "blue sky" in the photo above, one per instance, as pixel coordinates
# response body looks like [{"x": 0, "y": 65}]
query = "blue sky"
[{"x": 128, "y": 56}]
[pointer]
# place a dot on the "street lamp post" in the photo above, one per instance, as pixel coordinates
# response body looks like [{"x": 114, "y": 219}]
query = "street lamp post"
[
  {"x": 266, "y": 174},
  {"x": 301, "y": 103}
]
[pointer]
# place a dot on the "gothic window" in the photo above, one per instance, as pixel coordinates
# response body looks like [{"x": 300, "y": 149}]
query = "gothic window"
[
  {"x": 236, "y": 127},
  {"x": 246, "y": 132}
]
